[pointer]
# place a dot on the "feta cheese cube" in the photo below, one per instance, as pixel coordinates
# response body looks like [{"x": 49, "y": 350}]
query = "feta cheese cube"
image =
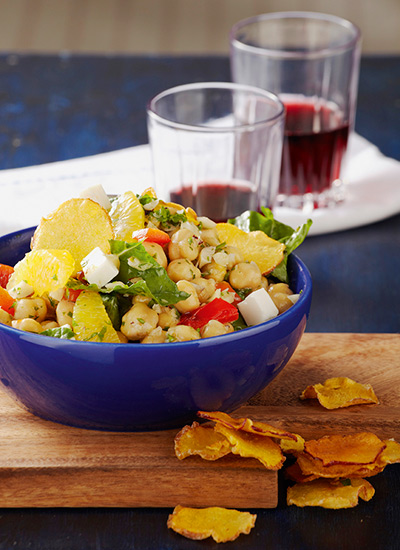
[
  {"x": 258, "y": 307},
  {"x": 97, "y": 194},
  {"x": 99, "y": 268}
]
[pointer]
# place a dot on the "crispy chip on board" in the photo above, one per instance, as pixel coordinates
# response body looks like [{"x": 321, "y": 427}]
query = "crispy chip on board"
[
  {"x": 248, "y": 425},
  {"x": 358, "y": 448},
  {"x": 200, "y": 440},
  {"x": 328, "y": 494},
  {"x": 336, "y": 393},
  {"x": 221, "y": 524},
  {"x": 251, "y": 445}
]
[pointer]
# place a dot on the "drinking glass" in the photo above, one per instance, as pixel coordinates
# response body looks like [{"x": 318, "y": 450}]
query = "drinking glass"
[
  {"x": 311, "y": 61},
  {"x": 216, "y": 147}
]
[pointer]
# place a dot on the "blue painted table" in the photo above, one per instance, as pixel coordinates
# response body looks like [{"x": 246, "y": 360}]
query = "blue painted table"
[{"x": 60, "y": 107}]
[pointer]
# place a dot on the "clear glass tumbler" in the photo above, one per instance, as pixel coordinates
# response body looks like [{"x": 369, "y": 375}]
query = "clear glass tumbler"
[
  {"x": 311, "y": 61},
  {"x": 216, "y": 147}
]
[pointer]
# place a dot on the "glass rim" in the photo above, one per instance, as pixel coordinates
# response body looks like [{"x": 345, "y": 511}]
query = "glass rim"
[
  {"x": 299, "y": 15},
  {"x": 269, "y": 121}
]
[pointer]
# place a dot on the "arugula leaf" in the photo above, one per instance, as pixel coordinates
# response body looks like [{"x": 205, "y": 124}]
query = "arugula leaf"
[
  {"x": 265, "y": 221},
  {"x": 64, "y": 332},
  {"x": 136, "y": 262}
]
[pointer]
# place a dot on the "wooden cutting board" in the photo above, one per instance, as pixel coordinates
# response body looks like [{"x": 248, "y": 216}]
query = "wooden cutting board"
[{"x": 43, "y": 464}]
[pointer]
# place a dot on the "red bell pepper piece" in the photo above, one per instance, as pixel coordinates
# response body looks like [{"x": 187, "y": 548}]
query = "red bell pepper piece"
[
  {"x": 6, "y": 301},
  {"x": 5, "y": 273},
  {"x": 218, "y": 309},
  {"x": 225, "y": 286},
  {"x": 152, "y": 235}
]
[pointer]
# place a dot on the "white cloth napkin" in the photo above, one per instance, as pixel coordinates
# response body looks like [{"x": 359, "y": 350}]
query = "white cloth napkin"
[{"x": 27, "y": 194}]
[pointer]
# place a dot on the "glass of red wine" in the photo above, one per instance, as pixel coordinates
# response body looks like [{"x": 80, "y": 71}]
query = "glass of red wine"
[
  {"x": 311, "y": 61},
  {"x": 216, "y": 147}
]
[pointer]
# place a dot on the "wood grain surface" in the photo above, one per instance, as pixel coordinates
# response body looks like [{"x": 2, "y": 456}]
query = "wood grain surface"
[{"x": 43, "y": 464}]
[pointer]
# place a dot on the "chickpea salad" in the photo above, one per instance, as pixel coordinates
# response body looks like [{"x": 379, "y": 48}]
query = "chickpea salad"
[{"x": 133, "y": 268}]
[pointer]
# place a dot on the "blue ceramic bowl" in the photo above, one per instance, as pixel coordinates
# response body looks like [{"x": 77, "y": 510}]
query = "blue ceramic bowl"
[{"x": 136, "y": 387}]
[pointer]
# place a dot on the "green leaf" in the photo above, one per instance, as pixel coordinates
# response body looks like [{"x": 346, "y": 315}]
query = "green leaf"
[
  {"x": 166, "y": 219},
  {"x": 137, "y": 263},
  {"x": 64, "y": 332}
]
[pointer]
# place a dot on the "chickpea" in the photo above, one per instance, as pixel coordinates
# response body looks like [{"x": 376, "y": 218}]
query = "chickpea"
[
  {"x": 168, "y": 317},
  {"x": 141, "y": 299},
  {"x": 51, "y": 307},
  {"x": 184, "y": 244},
  {"x": 210, "y": 236},
  {"x": 32, "y": 308},
  {"x": 279, "y": 293},
  {"x": 192, "y": 302},
  {"x": 182, "y": 269},
  {"x": 64, "y": 312},
  {"x": 182, "y": 333},
  {"x": 214, "y": 271},
  {"x": 28, "y": 325},
  {"x": 245, "y": 275},
  {"x": 264, "y": 283},
  {"x": 46, "y": 325},
  {"x": 215, "y": 328},
  {"x": 19, "y": 290},
  {"x": 138, "y": 322},
  {"x": 157, "y": 252},
  {"x": 156, "y": 336},
  {"x": 205, "y": 288},
  {"x": 234, "y": 256},
  {"x": 5, "y": 318}
]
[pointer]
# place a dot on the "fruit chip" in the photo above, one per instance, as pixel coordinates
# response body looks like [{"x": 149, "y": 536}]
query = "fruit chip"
[
  {"x": 222, "y": 524},
  {"x": 391, "y": 453},
  {"x": 251, "y": 445},
  {"x": 255, "y": 246},
  {"x": 358, "y": 448},
  {"x": 336, "y": 393},
  {"x": 328, "y": 494},
  {"x": 313, "y": 466},
  {"x": 79, "y": 226},
  {"x": 200, "y": 440},
  {"x": 294, "y": 473},
  {"x": 248, "y": 425},
  {"x": 289, "y": 446}
]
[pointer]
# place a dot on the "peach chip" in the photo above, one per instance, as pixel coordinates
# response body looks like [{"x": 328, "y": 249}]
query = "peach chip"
[{"x": 222, "y": 524}]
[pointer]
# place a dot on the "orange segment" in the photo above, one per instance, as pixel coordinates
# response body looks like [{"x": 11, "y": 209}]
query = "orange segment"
[
  {"x": 45, "y": 270},
  {"x": 255, "y": 246},
  {"x": 127, "y": 215},
  {"x": 90, "y": 320},
  {"x": 78, "y": 225}
]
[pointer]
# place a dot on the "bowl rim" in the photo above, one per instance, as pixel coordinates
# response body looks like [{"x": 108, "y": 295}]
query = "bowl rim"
[{"x": 305, "y": 294}]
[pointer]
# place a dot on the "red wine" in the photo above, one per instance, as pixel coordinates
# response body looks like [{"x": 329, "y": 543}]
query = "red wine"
[
  {"x": 315, "y": 141},
  {"x": 217, "y": 201}
]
